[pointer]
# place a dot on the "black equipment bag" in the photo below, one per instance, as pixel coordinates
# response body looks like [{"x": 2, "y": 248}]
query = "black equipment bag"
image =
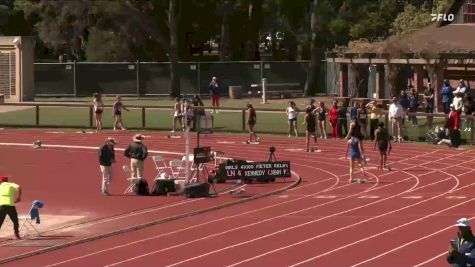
[
  {"x": 163, "y": 187},
  {"x": 141, "y": 187},
  {"x": 197, "y": 190}
]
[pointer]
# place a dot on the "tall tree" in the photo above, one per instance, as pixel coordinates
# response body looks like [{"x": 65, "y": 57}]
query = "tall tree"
[{"x": 314, "y": 65}]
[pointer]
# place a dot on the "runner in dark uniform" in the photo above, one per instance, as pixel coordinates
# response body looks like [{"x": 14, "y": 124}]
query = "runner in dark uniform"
[
  {"x": 355, "y": 129},
  {"x": 309, "y": 120},
  {"x": 321, "y": 111},
  {"x": 251, "y": 123},
  {"x": 383, "y": 143}
]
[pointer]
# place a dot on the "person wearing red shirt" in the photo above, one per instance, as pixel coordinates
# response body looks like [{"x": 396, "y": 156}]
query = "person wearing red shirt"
[{"x": 333, "y": 117}]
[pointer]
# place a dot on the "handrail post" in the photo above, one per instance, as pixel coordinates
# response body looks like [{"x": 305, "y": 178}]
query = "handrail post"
[
  {"x": 143, "y": 117},
  {"x": 90, "y": 116},
  {"x": 37, "y": 115},
  {"x": 243, "y": 120},
  {"x": 264, "y": 89}
]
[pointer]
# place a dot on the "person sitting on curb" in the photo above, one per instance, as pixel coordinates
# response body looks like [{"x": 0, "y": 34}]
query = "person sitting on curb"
[{"x": 462, "y": 248}]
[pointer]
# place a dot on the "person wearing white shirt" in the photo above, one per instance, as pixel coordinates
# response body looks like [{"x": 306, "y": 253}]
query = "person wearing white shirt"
[
  {"x": 292, "y": 112},
  {"x": 462, "y": 89},
  {"x": 458, "y": 102},
  {"x": 395, "y": 115}
]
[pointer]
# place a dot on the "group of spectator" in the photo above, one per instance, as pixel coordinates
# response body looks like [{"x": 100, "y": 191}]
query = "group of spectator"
[{"x": 337, "y": 117}]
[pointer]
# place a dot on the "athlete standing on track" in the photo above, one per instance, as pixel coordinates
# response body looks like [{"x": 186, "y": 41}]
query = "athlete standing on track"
[
  {"x": 292, "y": 112},
  {"x": 321, "y": 115},
  {"x": 356, "y": 156},
  {"x": 117, "y": 113},
  {"x": 384, "y": 144},
  {"x": 251, "y": 123},
  {"x": 98, "y": 109},
  {"x": 309, "y": 120},
  {"x": 177, "y": 114}
]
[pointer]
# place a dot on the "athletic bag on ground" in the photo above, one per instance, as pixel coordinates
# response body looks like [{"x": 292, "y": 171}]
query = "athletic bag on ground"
[
  {"x": 197, "y": 190},
  {"x": 163, "y": 187},
  {"x": 141, "y": 187}
]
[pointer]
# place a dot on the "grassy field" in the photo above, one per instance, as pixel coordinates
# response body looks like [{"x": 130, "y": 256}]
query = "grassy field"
[{"x": 225, "y": 121}]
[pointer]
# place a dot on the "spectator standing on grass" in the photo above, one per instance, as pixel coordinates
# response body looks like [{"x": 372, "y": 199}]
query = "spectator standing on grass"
[
  {"x": 106, "y": 158},
  {"x": 354, "y": 110},
  {"x": 198, "y": 110},
  {"x": 395, "y": 114},
  {"x": 98, "y": 109},
  {"x": 321, "y": 112},
  {"x": 117, "y": 113},
  {"x": 375, "y": 114},
  {"x": 462, "y": 247},
  {"x": 453, "y": 127},
  {"x": 404, "y": 101},
  {"x": 333, "y": 118},
  {"x": 309, "y": 121},
  {"x": 214, "y": 93},
  {"x": 413, "y": 106},
  {"x": 342, "y": 120},
  {"x": 429, "y": 101},
  {"x": 137, "y": 152},
  {"x": 292, "y": 113},
  {"x": 384, "y": 145},
  {"x": 363, "y": 119},
  {"x": 251, "y": 123},
  {"x": 177, "y": 114},
  {"x": 447, "y": 96},
  {"x": 10, "y": 193}
]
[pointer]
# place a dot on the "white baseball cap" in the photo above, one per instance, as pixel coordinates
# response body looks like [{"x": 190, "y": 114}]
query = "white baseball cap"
[{"x": 463, "y": 222}]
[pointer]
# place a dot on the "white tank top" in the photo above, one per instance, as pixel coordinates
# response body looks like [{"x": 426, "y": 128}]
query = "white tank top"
[{"x": 292, "y": 113}]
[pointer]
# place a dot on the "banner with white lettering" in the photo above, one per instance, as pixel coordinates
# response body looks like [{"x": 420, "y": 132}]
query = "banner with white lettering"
[{"x": 254, "y": 170}]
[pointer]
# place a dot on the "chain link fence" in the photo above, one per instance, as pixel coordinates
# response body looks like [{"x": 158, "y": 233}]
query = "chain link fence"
[{"x": 78, "y": 79}]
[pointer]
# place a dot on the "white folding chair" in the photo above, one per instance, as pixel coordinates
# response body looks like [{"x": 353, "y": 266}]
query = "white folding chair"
[
  {"x": 178, "y": 169},
  {"x": 129, "y": 178},
  {"x": 27, "y": 221},
  {"x": 161, "y": 166}
]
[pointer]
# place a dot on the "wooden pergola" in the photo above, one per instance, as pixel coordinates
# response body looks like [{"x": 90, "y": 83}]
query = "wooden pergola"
[{"x": 452, "y": 66}]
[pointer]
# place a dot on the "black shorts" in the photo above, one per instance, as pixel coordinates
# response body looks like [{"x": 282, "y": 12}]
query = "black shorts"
[
  {"x": 251, "y": 123},
  {"x": 118, "y": 113},
  {"x": 99, "y": 111},
  {"x": 429, "y": 109}
]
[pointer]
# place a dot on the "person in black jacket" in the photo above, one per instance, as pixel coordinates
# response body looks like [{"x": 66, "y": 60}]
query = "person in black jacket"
[
  {"x": 137, "y": 152},
  {"x": 106, "y": 158},
  {"x": 462, "y": 248}
]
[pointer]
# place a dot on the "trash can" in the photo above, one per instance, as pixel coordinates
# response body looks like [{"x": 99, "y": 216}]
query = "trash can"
[{"x": 235, "y": 92}]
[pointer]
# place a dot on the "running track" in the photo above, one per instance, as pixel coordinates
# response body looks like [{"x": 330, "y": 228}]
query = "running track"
[{"x": 399, "y": 218}]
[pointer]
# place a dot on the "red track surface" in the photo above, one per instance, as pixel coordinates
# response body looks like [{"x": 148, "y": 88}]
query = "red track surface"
[{"x": 399, "y": 218}]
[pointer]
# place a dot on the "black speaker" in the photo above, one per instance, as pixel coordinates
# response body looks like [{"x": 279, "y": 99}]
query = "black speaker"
[{"x": 197, "y": 190}]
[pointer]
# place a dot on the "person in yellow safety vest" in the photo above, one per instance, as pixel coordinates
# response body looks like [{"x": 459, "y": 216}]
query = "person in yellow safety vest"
[{"x": 10, "y": 193}]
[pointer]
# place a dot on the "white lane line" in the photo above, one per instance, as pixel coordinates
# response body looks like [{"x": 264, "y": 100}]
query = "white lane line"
[
  {"x": 419, "y": 239},
  {"x": 358, "y": 223},
  {"x": 317, "y": 205},
  {"x": 216, "y": 220}
]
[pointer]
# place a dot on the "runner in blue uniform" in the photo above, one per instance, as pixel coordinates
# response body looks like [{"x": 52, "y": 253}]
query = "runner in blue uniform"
[{"x": 356, "y": 155}]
